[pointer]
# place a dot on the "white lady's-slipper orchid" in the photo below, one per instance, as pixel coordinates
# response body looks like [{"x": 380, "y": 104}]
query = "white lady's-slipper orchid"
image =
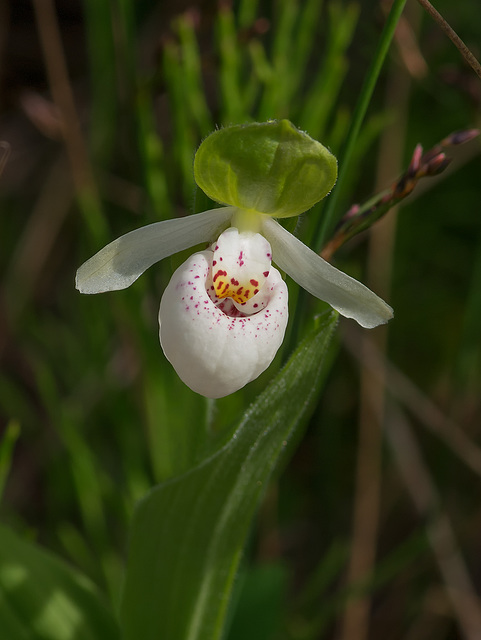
[{"x": 224, "y": 313}]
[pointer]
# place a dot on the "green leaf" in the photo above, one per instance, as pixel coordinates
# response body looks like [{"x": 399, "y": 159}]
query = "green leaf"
[
  {"x": 41, "y": 598},
  {"x": 188, "y": 533}
]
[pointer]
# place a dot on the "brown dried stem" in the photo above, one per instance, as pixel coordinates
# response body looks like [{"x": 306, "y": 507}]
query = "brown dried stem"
[
  {"x": 63, "y": 97},
  {"x": 367, "y": 499},
  {"x": 453, "y": 36},
  {"x": 452, "y": 567},
  {"x": 419, "y": 404}
]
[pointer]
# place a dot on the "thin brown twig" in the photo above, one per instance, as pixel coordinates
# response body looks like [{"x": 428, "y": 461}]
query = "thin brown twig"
[
  {"x": 5, "y": 149},
  {"x": 367, "y": 501},
  {"x": 420, "y": 405},
  {"x": 453, "y": 36},
  {"x": 39, "y": 235},
  {"x": 62, "y": 93},
  {"x": 56, "y": 67},
  {"x": 452, "y": 567}
]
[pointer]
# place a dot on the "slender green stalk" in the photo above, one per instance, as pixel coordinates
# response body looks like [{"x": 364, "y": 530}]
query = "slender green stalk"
[
  {"x": 247, "y": 13},
  {"x": 230, "y": 67},
  {"x": 7, "y": 445},
  {"x": 104, "y": 95},
  {"x": 183, "y": 134},
  {"x": 322, "y": 97},
  {"x": 152, "y": 154},
  {"x": 367, "y": 90},
  {"x": 275, "y": 99},
  {"x": 192, "y": 72}
]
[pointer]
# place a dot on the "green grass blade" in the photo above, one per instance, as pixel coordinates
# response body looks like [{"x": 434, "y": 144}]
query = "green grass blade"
[
  {"x": 247, "y": 12},
  {"x": 153, "y": 158},
  {"x": 192, "y": 73},
  {"x": 362, "y": 105},
  {"x": 275, "y": 99},
  {"x": 7, "y": 445},
  {"x": 230, "y": 67},
  {"x": 41, "y": 597},
  {"x": 185, "y": 142},
  {"x": 323, "y": 94},
  {"x": 104, "y": 101}
]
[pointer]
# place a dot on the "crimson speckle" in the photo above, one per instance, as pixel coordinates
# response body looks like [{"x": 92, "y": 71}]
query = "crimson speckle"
[{"x": 220, "y": 272}]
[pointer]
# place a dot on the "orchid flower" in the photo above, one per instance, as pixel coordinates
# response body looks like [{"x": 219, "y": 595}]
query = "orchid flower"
[{"x": 224, "y": 313}]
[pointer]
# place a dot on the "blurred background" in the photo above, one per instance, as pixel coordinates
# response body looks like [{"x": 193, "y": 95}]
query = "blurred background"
[{"x": 373, "y": 529}]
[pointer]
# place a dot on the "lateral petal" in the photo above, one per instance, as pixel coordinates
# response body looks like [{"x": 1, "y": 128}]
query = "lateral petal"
[
  {"x": 345, "y": 294},
  {"x": 121, "y": 262}
]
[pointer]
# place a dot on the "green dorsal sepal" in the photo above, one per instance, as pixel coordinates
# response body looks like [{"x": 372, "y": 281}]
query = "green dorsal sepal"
[{"x": 270, "y": 167}]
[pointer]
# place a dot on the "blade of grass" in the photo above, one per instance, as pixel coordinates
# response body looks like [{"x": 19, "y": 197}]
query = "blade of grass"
[
  {"x": 104, "y": 97},
  {"x": 88, "y": 476},
  {"x": 327, "y": 221},
  {"x": 192, "y": 74},
  {"x": 247, "y": 12},
  {"x": 152, "y": 155},
  {"x": 183, "y": 149},
  {"x": 323, "y": 94},
  {"x": 275, "y": 98},
  {"x": 232, "y": 106},
  {"x": 7, "y": 445}
]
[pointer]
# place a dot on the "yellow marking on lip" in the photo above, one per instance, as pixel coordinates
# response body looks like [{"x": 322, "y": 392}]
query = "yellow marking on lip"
[{"x": 240, "y": 292}]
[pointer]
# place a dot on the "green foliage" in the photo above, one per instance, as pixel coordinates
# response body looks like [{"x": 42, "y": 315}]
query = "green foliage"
[
  {"x": 43, "y": 598},
  {"x": 104, "y": 419},
  {"x": 193, "y": 528}
]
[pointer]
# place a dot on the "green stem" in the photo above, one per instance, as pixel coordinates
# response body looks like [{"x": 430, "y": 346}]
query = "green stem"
[{"x": 327, "y": 221}]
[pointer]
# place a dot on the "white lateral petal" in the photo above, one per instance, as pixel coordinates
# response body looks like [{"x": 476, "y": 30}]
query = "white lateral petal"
[
  {"x": 121, "y": 262},
  {"x": 345, "y": 294},
  {"x": 213, "y": 353}
]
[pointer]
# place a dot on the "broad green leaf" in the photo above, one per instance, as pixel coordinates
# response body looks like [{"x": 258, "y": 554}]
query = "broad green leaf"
[
  {"x": 188, "y": 534},
  {"x": 41, "y": 598}
]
